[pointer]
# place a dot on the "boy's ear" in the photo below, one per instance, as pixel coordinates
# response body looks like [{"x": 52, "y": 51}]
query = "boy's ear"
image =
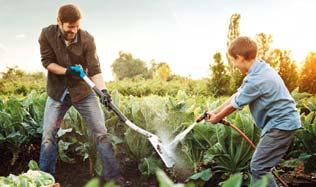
[{"x": 240, "y": 58}]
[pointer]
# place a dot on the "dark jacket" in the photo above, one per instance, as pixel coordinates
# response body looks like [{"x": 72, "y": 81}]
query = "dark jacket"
[{"x": 54, "y": 50}]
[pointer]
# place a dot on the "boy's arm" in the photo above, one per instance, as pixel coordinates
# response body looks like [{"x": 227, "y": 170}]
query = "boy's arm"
[
  {"x": 224, "y": 111},
  {"x": 227, "y": 102},
  {"x": 245, "y": 95}
]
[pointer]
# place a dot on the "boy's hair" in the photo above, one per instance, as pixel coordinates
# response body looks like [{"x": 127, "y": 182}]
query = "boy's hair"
[
  {"x": 69, "y": 13},
  {"x": 243, "y": 46}
]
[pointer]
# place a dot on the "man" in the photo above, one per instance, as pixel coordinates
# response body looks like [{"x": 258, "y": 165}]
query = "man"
[{"x": 63, "y": 47}]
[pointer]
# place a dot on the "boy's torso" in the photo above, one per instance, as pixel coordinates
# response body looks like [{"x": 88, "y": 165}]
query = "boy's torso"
[{"x": 274, "y": 108}]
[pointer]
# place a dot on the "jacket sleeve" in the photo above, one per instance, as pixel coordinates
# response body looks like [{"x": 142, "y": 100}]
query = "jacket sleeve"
[
  {"x": 92, "y": 59},
  {"x": 47, "y": 53}
]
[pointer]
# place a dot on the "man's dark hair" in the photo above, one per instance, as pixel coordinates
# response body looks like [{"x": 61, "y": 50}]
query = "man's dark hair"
[{"x": 69, "y": 13}]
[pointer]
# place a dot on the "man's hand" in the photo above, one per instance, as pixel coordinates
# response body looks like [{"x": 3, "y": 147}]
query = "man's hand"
[
  {"x": 212, "y": 117},
  {"x": 106, "y": 98},
  {"x": 75, "y": 70}
]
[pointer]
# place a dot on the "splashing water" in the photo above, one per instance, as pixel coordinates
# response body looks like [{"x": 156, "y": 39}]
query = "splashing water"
[
  {"x": 170, "y": 145},
  {"x": 181, "y": 136}
]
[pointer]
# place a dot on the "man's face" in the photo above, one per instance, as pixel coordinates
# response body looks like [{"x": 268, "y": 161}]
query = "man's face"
[{"x": 69, "y": 29}]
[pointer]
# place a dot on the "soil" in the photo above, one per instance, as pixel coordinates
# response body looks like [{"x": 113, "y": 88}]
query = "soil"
[
  {"x": 297, "y": 177},
  {"x": 77, "y": 175}
]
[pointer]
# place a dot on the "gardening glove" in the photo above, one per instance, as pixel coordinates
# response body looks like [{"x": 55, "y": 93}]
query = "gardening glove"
[
  {"x": 106, "y": 98},
  {"x": 76, "y": 71}
]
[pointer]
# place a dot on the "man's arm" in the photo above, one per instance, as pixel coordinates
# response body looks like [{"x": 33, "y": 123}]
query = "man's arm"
[
  {"x": 56, "y": 69},
  {"x": 98, "y": 81}
]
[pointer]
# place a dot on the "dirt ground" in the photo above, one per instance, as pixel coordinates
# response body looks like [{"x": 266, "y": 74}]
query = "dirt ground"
[{"x": 77, "y": 175}]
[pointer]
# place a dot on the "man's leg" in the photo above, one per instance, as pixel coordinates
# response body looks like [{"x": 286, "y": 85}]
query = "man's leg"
[
  {"x": 53, "y": 116},
  {"x": 91, "y": 111},
  {"x": 270, "y": 149}
]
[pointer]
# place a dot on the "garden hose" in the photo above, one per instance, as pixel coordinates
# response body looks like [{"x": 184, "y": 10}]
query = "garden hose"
[{"x": 244, "y": 136}]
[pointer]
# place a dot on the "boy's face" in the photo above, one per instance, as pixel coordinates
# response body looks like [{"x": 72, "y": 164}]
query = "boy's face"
[
  {"x": 69, "y": 29},
  {"x": 239, "y": 63}
]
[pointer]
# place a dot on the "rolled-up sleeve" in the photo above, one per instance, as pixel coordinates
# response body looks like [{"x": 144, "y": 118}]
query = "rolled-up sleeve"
[
  {"x": 245, "y": 95},
  {"x": 47, "y": 53},
  {"x": 92, "y": 59}
]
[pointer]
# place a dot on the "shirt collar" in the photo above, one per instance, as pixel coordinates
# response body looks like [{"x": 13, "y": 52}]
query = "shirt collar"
[{"x": 255, "y": 66}]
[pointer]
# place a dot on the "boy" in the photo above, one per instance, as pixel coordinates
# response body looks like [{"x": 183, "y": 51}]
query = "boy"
[{"x": 270, "y": 103}]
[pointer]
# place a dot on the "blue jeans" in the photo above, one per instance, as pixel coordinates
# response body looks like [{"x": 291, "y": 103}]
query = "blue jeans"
[
  {"x": 272, "y": 146},
  {"x": 91, "y": 111}
]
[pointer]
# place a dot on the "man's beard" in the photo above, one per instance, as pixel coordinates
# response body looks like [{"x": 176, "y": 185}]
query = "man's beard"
[{"x": 69, "y": 36}]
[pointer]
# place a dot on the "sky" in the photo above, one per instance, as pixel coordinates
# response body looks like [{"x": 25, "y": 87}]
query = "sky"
[{"x": 183, "y": 33}]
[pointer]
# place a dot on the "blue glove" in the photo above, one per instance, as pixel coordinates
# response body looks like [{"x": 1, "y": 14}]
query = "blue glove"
[{"x": 75, "y": 70}]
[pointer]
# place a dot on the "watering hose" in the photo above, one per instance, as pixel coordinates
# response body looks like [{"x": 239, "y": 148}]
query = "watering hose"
[{"x": 244, "y": 136}]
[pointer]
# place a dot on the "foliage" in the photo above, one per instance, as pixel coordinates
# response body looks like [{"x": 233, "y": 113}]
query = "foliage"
[
  {"x": 125, "y": 66},
  {"x": 16, "y": 81},
  {"x": 204, "y": 175},
  {"x": 32, "y": 178},
  {"x": 141, "y": 87},
  {"x": 161, "y": 71},
  {"x": 307, "y": 140},
  {"x": 220, "y": 80},
  {"x": 234, "y": 28},
  {"x": 231, "y": 153},
  {"x": 263, "y": 43},
  {"x": 20, "y": 122},
  {"x": 307, "y": 80},
  {"x": 286, "y": 68},
  {"x": 233, "y": 33}
]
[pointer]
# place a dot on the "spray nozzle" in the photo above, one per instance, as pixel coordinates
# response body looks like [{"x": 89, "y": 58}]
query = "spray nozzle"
[{"x": 202, "y": 116}]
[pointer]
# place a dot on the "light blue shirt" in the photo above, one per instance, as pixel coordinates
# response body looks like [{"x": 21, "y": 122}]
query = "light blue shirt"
[{"x": 270, "y": 102}]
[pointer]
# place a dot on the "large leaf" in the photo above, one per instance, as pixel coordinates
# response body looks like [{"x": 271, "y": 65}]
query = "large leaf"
[
  {"x": 204, "y": 175},
  {"x": 148, "y": 166},
  {"x": 233, "y": 181},
  {"x": 62, "y": 148}
]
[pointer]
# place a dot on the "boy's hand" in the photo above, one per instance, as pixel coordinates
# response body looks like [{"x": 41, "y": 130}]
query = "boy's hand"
[{"x": 211, "y": 117}]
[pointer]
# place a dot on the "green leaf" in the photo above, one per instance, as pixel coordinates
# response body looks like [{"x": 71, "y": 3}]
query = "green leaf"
[
  {"x": 62, "y": 131},
  {"x": 95, "y": 182},
  {"x": 204, "y": 175},
  {"x": 62, "y": 148},
  {"x": 233, "y": 181},
  {"x": 263, "y": 182},
  {"x": 148, "y": 166},
  {"x": 33, "y": 165},
  {"x": 110, "y": 184},
  {"x": 116, "y": 97},
  {"x": 164, "y": 180},
  {"x": 98, "y": 165}
]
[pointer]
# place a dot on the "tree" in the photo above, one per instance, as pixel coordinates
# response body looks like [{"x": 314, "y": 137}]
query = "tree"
[
  {"x": 233, "y": 33},
  {"x": 127, "y": 67},
  {"x": 233, "y": 30},
  {"x": 160, "y": 70},
  {"x": 286, "y": 68},
  {"x": 220, "y": 80},
  {"x": 307, "y": 80},
  {"x": 263, "y": 43}
]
